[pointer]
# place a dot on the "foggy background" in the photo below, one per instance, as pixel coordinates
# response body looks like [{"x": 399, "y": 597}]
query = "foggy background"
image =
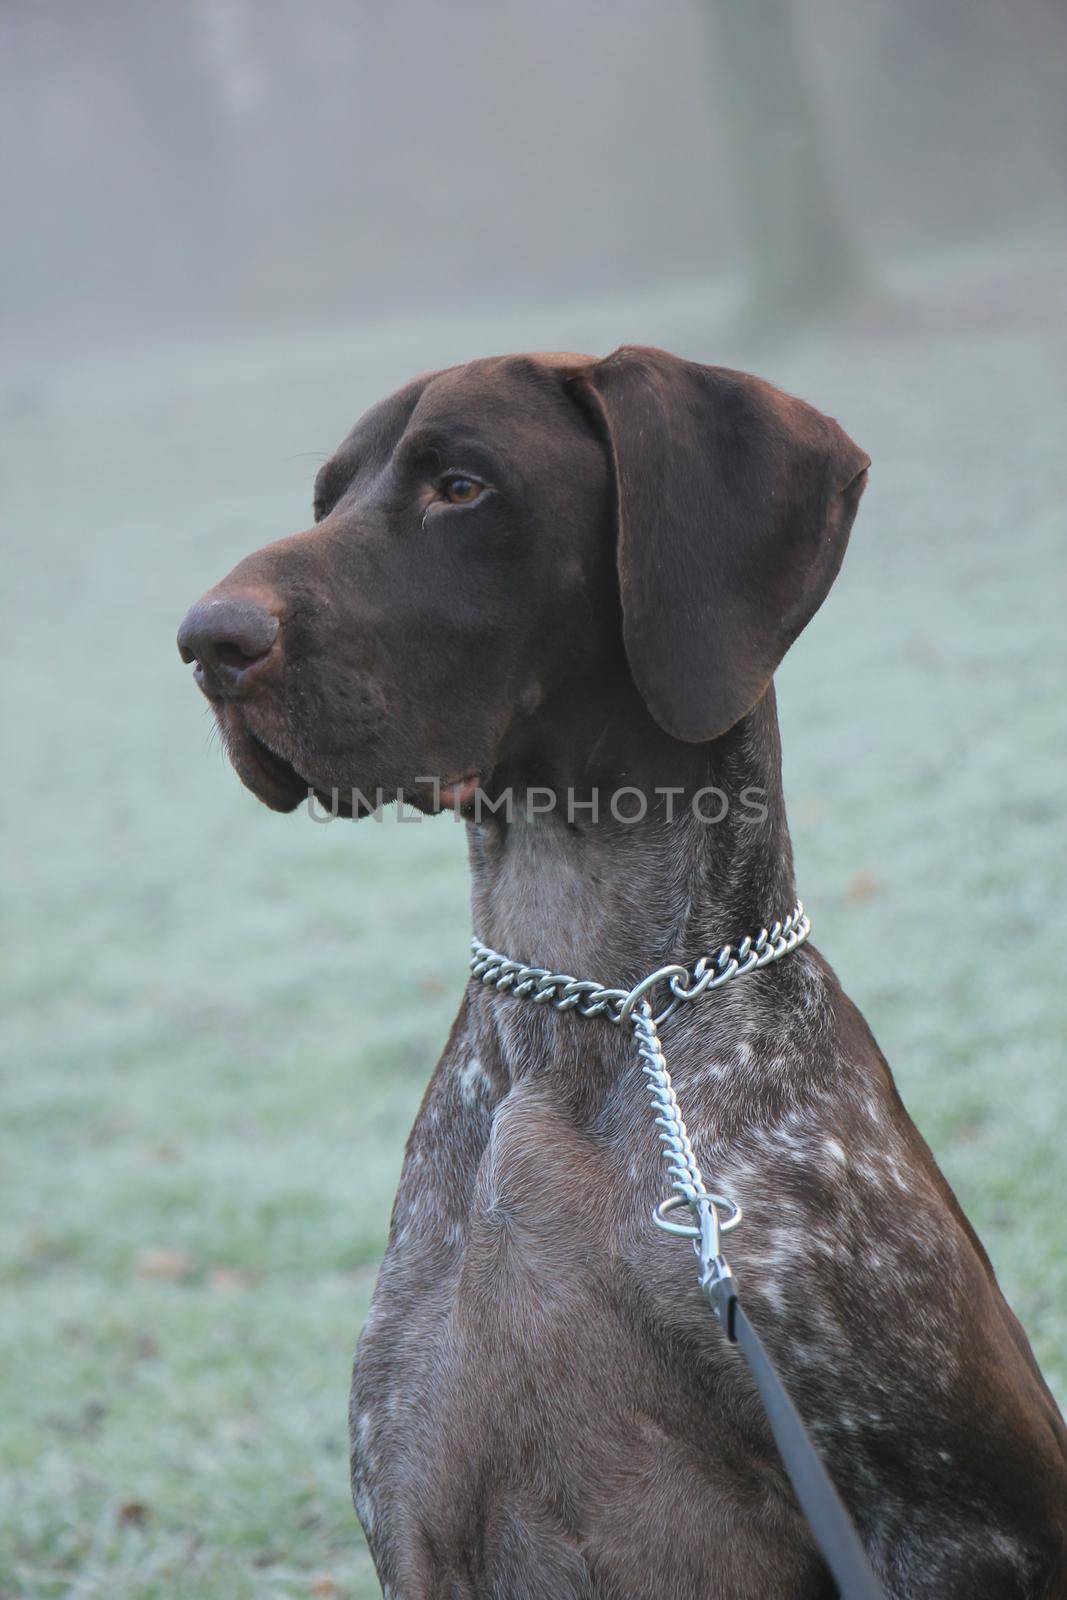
[
  {"x": 228, "y": 228},
  {"x": 226, "y": 163}
]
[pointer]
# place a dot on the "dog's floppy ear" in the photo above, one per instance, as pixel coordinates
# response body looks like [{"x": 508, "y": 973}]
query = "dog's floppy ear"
[{"x": 734, "y": 504}]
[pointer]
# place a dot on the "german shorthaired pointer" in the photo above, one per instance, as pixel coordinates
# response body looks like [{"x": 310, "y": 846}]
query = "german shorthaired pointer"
[{"x": 555, "y": 575}]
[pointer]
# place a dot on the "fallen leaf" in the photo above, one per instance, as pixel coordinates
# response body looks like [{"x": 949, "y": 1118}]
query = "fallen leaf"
[
  {"x": 324, "y": 1586},
  {"x": 172, "y": 1264},
  {"x": 862, "y": 886},
  {"x": 229, "y": 1280},
  {"x": 132, "y": 1514}
]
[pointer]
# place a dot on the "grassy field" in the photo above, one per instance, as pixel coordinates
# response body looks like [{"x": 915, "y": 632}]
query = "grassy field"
[{"x": 210, "y": 1063}]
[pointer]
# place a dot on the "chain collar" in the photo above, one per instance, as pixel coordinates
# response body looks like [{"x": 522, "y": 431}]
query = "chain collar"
[
  {"x": 591, "y": 999},
  {"x": 631, "y": 1008}
]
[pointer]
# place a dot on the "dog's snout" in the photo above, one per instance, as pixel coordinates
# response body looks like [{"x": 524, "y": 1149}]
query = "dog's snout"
[{"x": 227, "y": 636}]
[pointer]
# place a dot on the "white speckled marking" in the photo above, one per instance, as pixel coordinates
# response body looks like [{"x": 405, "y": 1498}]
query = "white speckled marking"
[
  {"x": 365, "y": 1509},
  {"x": 472, "y": 1080}
]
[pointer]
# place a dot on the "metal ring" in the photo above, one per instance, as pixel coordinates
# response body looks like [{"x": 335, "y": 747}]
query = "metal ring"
[
  {"x": 690, "y": 1230},
  {"x": 664, "y": 975}
]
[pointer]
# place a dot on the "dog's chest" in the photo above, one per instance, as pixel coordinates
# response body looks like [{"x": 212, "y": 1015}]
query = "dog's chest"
[
  {"x": 541, "y": 1397},
  {"x": 509, "y": 1389}
]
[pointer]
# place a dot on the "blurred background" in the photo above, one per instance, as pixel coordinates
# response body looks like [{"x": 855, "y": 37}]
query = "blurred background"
[{"x": 229, "y": 227}]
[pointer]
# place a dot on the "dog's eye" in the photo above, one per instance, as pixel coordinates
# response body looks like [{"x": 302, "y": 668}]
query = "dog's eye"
[{"x": 459, "y": 490}]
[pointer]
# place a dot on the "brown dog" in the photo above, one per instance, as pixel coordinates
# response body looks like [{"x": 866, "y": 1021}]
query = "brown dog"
[{"x": 563, "y": 576}]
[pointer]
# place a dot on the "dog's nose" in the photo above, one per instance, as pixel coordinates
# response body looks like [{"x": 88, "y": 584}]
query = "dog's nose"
[{"x": 229, "y": 637}]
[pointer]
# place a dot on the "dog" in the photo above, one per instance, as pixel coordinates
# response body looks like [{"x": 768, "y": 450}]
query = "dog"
[{"x": 562, "y": 575}]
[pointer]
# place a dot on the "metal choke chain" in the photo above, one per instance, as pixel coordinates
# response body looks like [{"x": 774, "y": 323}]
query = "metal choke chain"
[
  {"x": 681, "y": 1162},
  {"x": 590, "y": 999},
  {"x": 632, "y": 1008}
]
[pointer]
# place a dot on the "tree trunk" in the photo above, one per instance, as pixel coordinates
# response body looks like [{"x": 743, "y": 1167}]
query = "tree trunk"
[{"x": 803, "y": 258}]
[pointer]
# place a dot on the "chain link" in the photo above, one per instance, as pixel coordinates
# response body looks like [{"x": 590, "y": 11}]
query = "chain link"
[{"x": 681, "y": 1162}]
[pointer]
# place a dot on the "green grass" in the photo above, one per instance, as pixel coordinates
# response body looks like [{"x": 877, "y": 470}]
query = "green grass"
[{"x": 211, "y": 1061}]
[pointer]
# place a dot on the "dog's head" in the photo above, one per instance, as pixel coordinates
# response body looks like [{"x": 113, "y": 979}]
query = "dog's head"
[{"x": 518, "y": 545}]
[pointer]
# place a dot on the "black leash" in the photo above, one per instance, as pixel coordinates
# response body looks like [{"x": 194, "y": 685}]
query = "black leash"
[{"x": 834, "y": 1531}]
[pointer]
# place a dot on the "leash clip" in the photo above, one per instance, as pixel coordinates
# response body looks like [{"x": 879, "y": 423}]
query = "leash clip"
[
  {"x": 720, "y": 1292},
  {"x": 716, "y": 1278}
]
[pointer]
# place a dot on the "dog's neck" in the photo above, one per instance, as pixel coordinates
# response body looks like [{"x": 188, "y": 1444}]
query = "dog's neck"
[{"x": 613, "y": 900}]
